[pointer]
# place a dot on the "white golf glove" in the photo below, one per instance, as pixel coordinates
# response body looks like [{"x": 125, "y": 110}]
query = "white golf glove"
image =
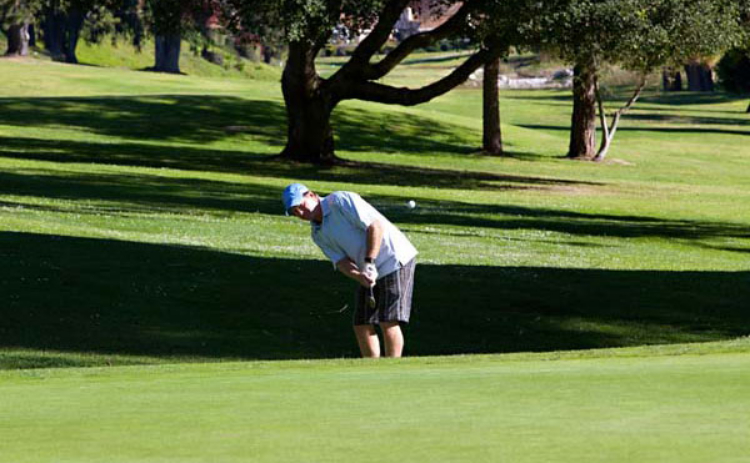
[{"x": 371, "y": 271}]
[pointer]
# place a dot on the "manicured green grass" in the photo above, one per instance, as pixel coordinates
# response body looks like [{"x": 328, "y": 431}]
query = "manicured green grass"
[
  {"x": 140, "y": 221},
  {"x": 141, "y": 233},
  {"x": 681, "y": 404},
  {"x": 121, "y": 53}
]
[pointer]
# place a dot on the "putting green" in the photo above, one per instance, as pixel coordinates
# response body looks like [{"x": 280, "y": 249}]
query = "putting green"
[{"x": 681, "y": 408}]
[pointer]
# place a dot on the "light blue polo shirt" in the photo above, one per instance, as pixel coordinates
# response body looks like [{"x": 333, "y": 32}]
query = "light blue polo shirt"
[{"x": 343, "y": 233}]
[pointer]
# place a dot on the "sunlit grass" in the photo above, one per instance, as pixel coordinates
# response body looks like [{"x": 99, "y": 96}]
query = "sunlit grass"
[{"x": 143, "y": 208}]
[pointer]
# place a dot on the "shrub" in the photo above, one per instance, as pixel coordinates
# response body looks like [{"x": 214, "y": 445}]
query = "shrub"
[{"x": 734, "y": 71}]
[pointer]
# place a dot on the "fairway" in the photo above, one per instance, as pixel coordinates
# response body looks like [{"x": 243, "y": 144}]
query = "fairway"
[
  {"x": 157, "y": 305},
  {"x": 645, "y": 406},
  {"x": 136, "y": 227}
]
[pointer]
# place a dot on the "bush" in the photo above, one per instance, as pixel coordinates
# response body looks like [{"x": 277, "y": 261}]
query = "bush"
[{"x": 734, "y": 71}]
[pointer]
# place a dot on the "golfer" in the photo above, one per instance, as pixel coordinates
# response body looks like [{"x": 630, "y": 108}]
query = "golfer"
[{"x": 366, "y": 247}]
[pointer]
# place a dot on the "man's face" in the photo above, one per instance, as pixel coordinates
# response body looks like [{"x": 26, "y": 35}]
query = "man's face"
[{"x": 306, "y": 209}]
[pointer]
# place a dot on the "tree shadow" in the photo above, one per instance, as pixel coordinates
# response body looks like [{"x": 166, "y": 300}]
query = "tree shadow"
[
  {"x": 512, "y": 217},
  {"x": 257, "y": 164},
  {"x": 128, "y": 193},
  {"x": 690, "y": 98},
  {"x": 189, "y": 118},
  {"x": 679, "y": 119},
  {"x": 679, "y": 130},
  {"x": 80, "y": 295},
  {"x": 623, "y": 93},
  {"x": 205, "y": 119},
  {"x": 142, "y": 192}
]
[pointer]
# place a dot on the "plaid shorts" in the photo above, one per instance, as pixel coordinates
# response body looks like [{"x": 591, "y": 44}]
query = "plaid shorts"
[{"x": 392, "y": 296}]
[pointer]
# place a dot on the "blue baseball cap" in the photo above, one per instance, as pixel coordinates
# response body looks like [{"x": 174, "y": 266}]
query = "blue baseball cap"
[{"x": 292, "y": 195}]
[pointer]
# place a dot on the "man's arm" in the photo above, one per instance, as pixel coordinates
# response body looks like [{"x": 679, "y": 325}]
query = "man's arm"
[
  {"x": 374, "y": 238},
  {"x": 350, "y": 269}
]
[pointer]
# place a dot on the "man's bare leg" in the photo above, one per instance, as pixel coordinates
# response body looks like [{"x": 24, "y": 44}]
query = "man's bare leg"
[
  {"x": 393, "y": 339},
  {"x": 367, "y": 338}
]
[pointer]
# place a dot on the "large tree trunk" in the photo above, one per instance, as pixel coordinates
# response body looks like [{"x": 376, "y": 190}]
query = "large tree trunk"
[
  {"x": 53, "y": 28},
  {"x": 32, "y": 35},
  {"x": 492, "y": 140},
  {"x": 168, "y": 53},
  {"x": 73, "y": 24},
  {"x": 308, "y": 105},
  {"x": 699, "y": 77},
  {"x": 18, "y": 40},
  {"x": 583, "y": 122},
  {"x": 61, "y": 33}
]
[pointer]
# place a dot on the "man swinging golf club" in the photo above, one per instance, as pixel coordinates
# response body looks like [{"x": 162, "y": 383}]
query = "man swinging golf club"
[{"x": 366, "y": 247}]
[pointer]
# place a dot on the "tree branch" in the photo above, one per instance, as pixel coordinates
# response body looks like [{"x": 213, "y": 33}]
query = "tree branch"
[
  {"x": 609, "y": 132},
  {"x": 378, "y": 36},
  {"x": 602, "y": 114},
  {"x": 380, "y": 93},
  {"x": 420, "y": 40}
]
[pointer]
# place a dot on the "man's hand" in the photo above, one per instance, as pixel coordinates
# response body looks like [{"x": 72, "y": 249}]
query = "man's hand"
[
  {"x": 365, "y": 281},
  {"x": 350, "y": 269},
  {"x": 371, "y": 273}
]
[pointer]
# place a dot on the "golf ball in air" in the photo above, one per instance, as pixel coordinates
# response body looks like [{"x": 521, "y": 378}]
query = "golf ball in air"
[{"x": 411, "y": 203}]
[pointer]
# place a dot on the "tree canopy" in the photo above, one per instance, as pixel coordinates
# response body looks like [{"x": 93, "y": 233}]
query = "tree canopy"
[{"x": 638, "y": 35}]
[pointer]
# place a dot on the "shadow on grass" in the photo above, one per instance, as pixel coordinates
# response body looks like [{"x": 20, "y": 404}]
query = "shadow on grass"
[
  {"x": 207, "y": 160},
  {"x": 690, "y": 98},
  {"x": 678, "y": 119},
  {"x": 108, "y": 297},
  {"x": 510, "y": 217},
  {"x": 204, "y": 119},
  {"x": 131, "y": 193},
  {"x": 672, "y": 102},
  {"x": 675, "y": 130}
]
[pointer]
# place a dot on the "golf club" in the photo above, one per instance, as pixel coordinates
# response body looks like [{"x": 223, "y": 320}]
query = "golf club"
[{"x": 372, "y": 298}]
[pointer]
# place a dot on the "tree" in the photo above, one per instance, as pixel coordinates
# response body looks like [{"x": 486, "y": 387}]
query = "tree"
[
  {"x": 167, "y": 20},
  {"x": 504, "y": 23},
  {"x": 62, "y": 22},
  {"x": 15, "y": 18},
  {"x": 170, "y": 21},
  {"x": 699, "y": 76},
  {"x": 492, "y": 138},
  {"x": 639, "y": 35},
  {"x": 310, "y": 99},
  {"x": 61, "y": 27},
  {"x": 671, "y": 79},
  {"x": 734, "y": 70},
  {"x": 130, "y": 22}
]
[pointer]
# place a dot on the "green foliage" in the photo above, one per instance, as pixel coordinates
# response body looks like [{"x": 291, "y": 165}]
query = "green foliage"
[
  {"x": 17, "y": 11},
  {"x": 99, "y": 22},
  {"x": 166, "y": 17},
  {"x": 311, "y": 21},
  {"x": 641, "y": 34}
]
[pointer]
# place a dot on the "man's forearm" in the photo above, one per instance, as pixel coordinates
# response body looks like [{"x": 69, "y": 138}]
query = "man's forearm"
[
  {"x": 349, "y": 268},
  {"x": 374, "y": 238}
]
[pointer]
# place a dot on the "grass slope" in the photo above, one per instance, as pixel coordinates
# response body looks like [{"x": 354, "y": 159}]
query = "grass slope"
[
  {"x": 121, "y": 53},
  {"x": 140, "y": 222},
  {"x": 640, "y": 405}
]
